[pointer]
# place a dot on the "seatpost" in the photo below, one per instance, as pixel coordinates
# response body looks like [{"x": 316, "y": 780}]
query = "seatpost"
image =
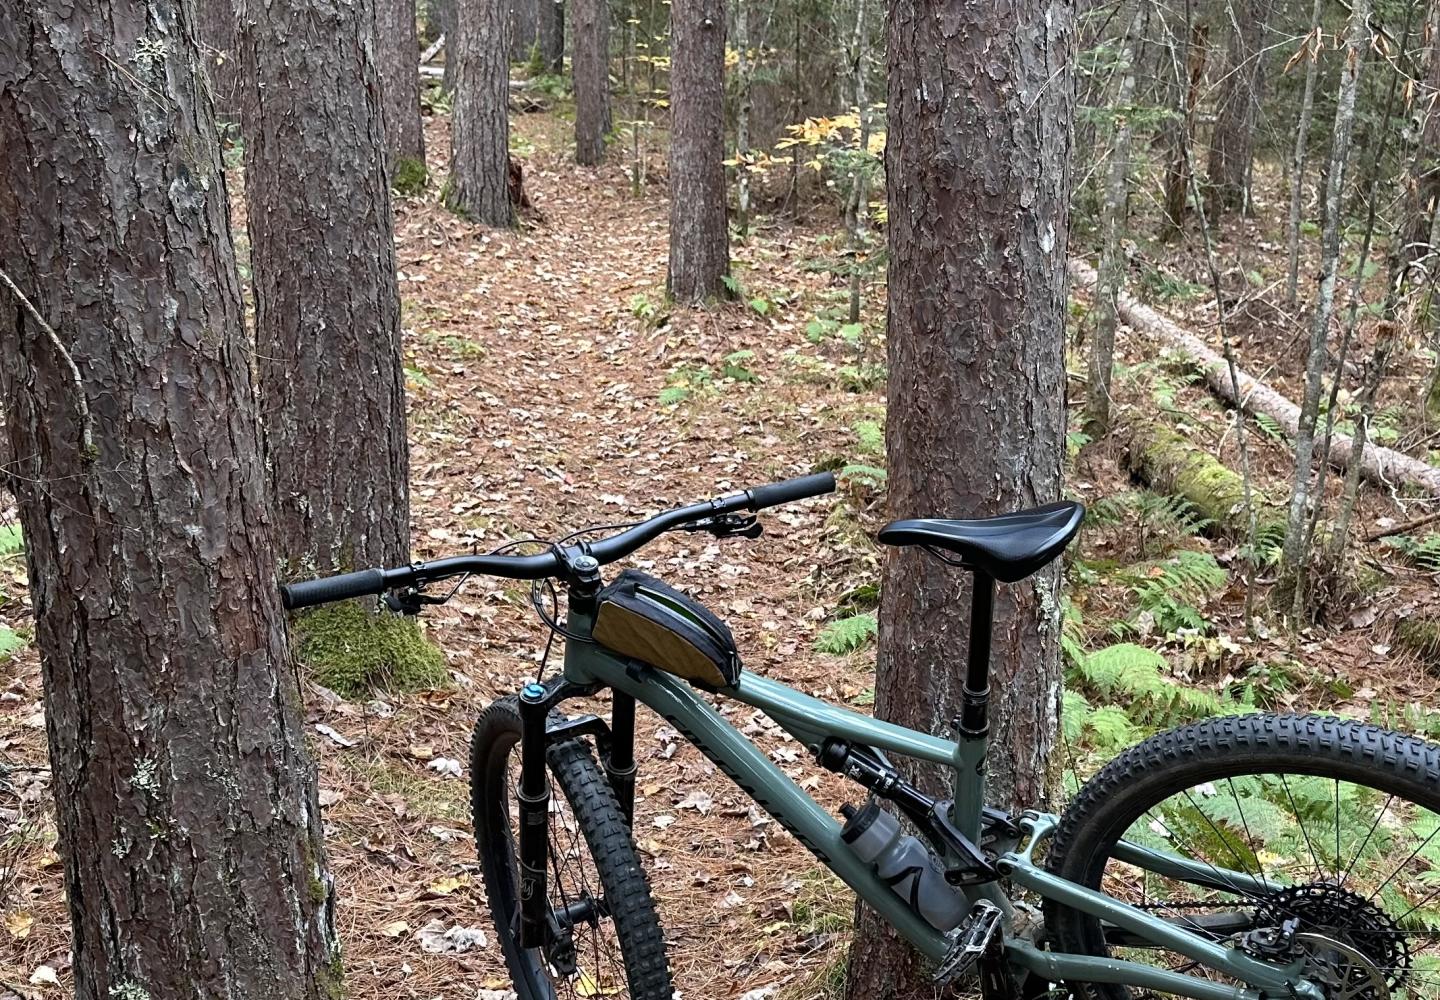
[{"x": 974, "y": 719}]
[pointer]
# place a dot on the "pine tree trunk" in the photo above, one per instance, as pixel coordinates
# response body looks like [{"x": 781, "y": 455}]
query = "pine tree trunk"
[
  {"x": 446, "y": 12},
  {"x": 185, "y": 800},
  {"x": 1299, "y": 156},
  {"x": 699, "y": 230},
  {"x": 524, "y": 17},
  {"x": 978, "y": 185},
  {"x": 1112, "y": 259},
  {"x": 742, "y": 116},
  {"x": 1241, "y": 91},
  {"x": 327, "y": 307},
  {"x": 1357, "y": 43},
  {"x": 551, "y": 33},
  {"x": 479, "y": 185},
  {"x": 590, "y": 67},
  {"x": 398, "y": 54},
  {"x": 220, "y": 54},
  {"x": 1181, "y": 133}
]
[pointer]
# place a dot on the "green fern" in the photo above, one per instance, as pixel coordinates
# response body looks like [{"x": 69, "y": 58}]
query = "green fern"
[
  {"x": 1423, "y": 552},
  {"x": 12, "y": 542},
  {"x": 10, "y": 640},
  {"x": 674, "y": 395},
  {"x": 1172, "y": 589},
  {"x": 871, "y": 437},
  {"x": 866, "y": 475},
  {"x": 1270, "y": 427},
  {"x": 847, "y": 634}
]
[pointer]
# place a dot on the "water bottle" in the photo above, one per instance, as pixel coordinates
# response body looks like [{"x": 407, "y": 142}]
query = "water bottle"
[{"x": 905, "y": 864}]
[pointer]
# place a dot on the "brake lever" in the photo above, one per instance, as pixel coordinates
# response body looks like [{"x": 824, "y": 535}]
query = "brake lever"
[
  {"x": 411, "y": 600},
  {"x": 728, "y": 526}
]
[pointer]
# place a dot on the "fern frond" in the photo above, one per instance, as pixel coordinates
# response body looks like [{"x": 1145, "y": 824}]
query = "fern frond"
[{"x": 847, "y": 634}]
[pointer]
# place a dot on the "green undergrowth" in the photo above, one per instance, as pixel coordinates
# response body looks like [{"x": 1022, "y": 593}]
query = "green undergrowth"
[
  {"x": 409, "y": 176},
  {"x": 354, "y": 651}
]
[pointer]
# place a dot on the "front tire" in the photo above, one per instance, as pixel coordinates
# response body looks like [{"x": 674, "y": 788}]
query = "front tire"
[
  {"x": 592, "y": 858},
  {"x": 1340, "y": 815}
]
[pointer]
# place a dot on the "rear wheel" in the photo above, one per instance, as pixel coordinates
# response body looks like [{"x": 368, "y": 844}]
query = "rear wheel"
[
  {"x": 609, "y": 942},
  {"x": 1310, "y": 836}
]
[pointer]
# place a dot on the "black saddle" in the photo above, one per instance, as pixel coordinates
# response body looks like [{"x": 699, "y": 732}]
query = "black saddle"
[{"x": 1008, "y": 547}]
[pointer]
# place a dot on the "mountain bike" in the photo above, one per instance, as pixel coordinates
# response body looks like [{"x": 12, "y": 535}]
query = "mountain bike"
[{"x": 1255, "y": 857}]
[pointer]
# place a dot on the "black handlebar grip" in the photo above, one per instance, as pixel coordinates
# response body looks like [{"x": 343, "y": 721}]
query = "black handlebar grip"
[
  {"x": 362, "y": 583},
  {"x": 791, "y": 490}
]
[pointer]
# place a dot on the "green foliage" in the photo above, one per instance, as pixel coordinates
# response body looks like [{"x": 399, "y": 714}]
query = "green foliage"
[
  {"x": 354, "y": 650},
  {"x": 1136, "y": 682},
  {"x": 867, "y": 475},
  {"x": 1424, "y": 552},
  {"x": 685, "y": 381},
  {"x": 10, "y": 641},
  {"x": 862, "y": 377},
  {"x": 870, "y": 435},
  {"x": 1270, "y": 427},
  {"x": 1170, "y": 590},
  {"x": 409, "y": 176},
  {"x": 733, "y": 366},
  {"x": 1162, "y": 286},
  {"x": 12, "y": 540},
  {"x": 847, "y": 634}
]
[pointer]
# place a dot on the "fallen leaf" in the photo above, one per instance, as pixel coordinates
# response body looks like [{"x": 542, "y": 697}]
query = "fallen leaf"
[
  {"x": 329, "y": 796},
  {"x": 19, "y": 923},
  {"x": 334, "y": 737},
  {"x": 698, "y": 800},
  {"x": 44, "y": 976},
  {"x": 446, "y": 767},
  {"x": 395, "y": 928},
  {"x": 442, "y": 888},
  {"x": 436, "y": 939},
  {"x": 662, "y": 822}
]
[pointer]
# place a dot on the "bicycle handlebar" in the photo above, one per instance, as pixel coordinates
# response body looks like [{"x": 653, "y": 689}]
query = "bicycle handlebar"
[{"x": 373, "y": 582}]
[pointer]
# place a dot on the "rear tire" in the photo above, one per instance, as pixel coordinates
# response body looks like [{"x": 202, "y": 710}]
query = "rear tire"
[{"x": 631, "y": 922}]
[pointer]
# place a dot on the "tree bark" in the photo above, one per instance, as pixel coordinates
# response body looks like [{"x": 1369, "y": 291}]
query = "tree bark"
[
  {"x": 699, "y": 229},
  {"x": 977, "y": 161},
  {"x": 524, "y": 23},
  {"x": 479, "y": 185},
  {"x": 590, "y": 68},
  {"x": 398, "y": 49},
  {"x": 1311, "y": 55},
  {"x": 220, "y": 54},
  {"x": 1181, "y": 133},
  {"x": 1356, "y": 46},
  {"x": 327, "y": 307},
  {"x": 446, "y": 12},
  {"x": 742, "y": 113},
  {"x": 551, "y": 35},
  {"x": 1422, "y": 194},
  {"x": 1112, "y": 261},
  {"x": 185, "y": 800},
  {"x": 1241, "y": 91},
  {"x": 1383, "y": 466}
]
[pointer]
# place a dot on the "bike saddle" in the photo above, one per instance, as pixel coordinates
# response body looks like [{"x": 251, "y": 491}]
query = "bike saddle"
[{"x": 1008, "y": 547}]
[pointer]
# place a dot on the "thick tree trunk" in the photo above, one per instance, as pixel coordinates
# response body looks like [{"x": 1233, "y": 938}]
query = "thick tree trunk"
[
  {"x": 590, "y": 67},
  {"x": 398, "y": 51},
  {"x": 220, "y": 54},
  {"x": 1112, "y": 260},
  {"x": 1383, "y": 466},
  {"x": 551, "y": 35},
  {"x": 1311, "y": 55},
  {"x": 1190, "y": 72},
  {"x": 184, "y": 797},
  {"x": 699, "y": 230},
  {"x": 524, "y": 18},
  {"x": 327, "y": 307},
  {"x": 1356, "y": 47},
  {"x": 1241, "y": 91},
  {"x": 479, "y": 185},
  {"x": 978, "y": 185}
]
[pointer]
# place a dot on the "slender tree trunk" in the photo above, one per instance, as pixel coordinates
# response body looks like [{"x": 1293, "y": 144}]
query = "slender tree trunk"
[
  {"x": 551, "y": 34},
  {"x": 398, "y": 52},
  {"x": 742, "y": 116},
  {"x": 327, "y": 307},
  {"x": 1233, "y": 139},
  {"x": 524, "y": 23},
  {"x": 220, "y": 54},
  {"x": 184, "y": 798},
  {"x": 859, "y": 188},
  {"x": 699, "y": 232},
  {"x": 447, "y": 12},
  {"x": 1182, "y": 133},
  {"x": 977, "y": 162},
  {"x": 1311, "y": 55},
  {"x": 1296, "y": 556},
  {"x": 1112, "y": 259},
  {"x": 1422, "y": 195},
  {"x": 479, "y": 185},
  {"x": 590, "y": 66}
]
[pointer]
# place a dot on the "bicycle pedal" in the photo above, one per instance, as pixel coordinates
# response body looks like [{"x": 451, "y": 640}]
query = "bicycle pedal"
[{"x": 969, "y": 942}]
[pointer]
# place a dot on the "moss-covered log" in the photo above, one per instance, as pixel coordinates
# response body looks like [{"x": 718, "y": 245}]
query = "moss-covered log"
[
  {"x": 1419, "y": 635},
  {"x": 1172, "y": 464},
  {"x": 353, "y": 651}
]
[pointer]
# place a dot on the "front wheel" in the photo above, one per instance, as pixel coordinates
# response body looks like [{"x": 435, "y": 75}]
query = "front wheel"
[
  {"x": 1314, "y": 836},
  {"x": 608, "y": 941}
]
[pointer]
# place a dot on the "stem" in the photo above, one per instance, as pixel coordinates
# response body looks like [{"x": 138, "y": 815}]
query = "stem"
[{"x": 82, "y": 404}]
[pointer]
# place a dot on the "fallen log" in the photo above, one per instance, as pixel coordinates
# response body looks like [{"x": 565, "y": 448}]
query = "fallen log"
[
  {"x": 1172, "y": 464},
  {"x": 1378, "y": 464}
]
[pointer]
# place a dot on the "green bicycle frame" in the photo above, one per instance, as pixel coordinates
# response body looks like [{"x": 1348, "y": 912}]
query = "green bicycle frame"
[{"x": 812, "y": 722}]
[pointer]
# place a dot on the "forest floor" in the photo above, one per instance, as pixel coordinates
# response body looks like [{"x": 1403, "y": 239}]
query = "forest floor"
[{"x": 551, "y": 387}]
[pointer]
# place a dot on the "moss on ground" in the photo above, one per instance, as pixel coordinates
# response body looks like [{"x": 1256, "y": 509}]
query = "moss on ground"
[
  {"x": 1171, "y": 464},
  {"x": 409, "y": 176},
  {"x": 353, "y": 651}
]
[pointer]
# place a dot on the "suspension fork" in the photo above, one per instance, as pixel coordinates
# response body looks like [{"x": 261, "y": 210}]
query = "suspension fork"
[
  {"x": 533, "y": 797},
  {"x": 620, "y": 760}
]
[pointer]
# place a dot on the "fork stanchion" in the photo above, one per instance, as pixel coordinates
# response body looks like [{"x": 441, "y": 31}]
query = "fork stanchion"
[
  {"x": 620, "y": 761},
  {"x": 533, "y": 797}
]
